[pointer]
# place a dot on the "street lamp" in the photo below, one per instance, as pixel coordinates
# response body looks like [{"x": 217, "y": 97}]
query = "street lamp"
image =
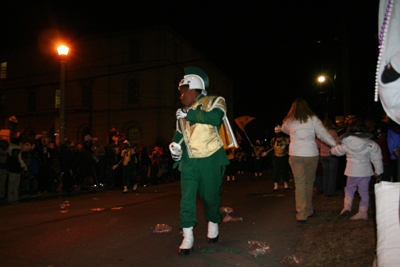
[
  {"x": 63, "y": 52},
  {"x": 322, "y": 79}
]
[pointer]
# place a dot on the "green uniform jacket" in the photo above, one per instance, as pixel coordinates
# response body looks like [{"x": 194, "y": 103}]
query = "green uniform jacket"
[{"x": 213, "y": 117}]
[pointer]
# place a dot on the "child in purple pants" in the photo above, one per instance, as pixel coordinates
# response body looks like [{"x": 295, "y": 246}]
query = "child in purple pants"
[{"x": 360, "y": 150}]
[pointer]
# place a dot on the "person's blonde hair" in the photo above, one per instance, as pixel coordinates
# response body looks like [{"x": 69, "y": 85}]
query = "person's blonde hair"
[{"x": 299, "y": 111}]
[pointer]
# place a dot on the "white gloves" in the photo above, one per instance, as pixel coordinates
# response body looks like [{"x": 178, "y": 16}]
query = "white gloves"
[
  {"x": 181, "y": 114},
  {"x": 176, "y": 151}
]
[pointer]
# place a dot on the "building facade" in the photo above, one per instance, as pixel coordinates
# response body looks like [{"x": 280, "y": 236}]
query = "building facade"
[{"x": 125, "y": 80}]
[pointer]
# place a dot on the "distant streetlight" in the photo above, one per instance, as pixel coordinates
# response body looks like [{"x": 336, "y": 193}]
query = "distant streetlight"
[
  {"x": 322, "y": 79},
  {"x": 63, "y": 52}
]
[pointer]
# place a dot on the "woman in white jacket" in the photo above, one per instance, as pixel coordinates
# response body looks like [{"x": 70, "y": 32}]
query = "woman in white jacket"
[
  {"x": 302, "y": 124},
  {"x": 360, "y": 151}
]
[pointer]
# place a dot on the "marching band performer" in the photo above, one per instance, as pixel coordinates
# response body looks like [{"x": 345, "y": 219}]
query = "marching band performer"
[{"x": 199, "y": 151}]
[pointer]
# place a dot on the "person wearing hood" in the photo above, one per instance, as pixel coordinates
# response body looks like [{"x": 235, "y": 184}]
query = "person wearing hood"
[{"x": 360, "y": 150}]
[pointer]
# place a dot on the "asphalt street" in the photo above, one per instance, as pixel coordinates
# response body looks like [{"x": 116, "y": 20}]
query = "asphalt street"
[{"x": 108, "y": 228}]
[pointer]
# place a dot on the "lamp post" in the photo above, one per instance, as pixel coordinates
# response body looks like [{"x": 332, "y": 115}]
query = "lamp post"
[
  {"x": 63, "y": 52},
  {"x": 322, "y": 79}
]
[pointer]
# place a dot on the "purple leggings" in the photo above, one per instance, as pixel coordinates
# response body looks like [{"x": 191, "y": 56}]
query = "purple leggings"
[{"x": 362, "y": 183}]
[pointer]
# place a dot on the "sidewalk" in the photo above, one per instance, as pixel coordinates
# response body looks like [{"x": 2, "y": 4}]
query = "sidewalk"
[{"x": 62, "y": 194}]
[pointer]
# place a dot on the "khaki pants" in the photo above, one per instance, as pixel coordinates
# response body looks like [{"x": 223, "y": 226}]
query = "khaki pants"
[{"x": 304, "y": 170}]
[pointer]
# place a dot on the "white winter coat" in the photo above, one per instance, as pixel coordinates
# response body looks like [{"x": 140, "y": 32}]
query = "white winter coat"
[
  {"x": 360, "y": 151},
  {"x": 302, "y": 136}
]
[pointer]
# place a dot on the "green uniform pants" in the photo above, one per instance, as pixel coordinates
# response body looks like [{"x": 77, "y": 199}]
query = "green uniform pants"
[{"x": 208, "y": 182}]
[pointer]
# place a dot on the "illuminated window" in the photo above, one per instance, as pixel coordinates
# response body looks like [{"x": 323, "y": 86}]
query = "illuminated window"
[
  {"x": 3, "y": 71},
  {"x": 57, "y": 98},
  {"x": 133, "y": 135}
]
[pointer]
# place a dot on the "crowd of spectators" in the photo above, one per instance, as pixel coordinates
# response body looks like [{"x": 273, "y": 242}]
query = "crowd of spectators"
[{"x": 41, "y": 167}]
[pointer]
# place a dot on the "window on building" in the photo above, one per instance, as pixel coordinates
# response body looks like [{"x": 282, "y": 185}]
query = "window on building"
[
  {"x": 31, "y": 100},
  {"x": 3, "y": 70},
  {"x": 134, "y": 51},
  {"x": 57, "y": 98},
  {"x": 133, "y": 135},
  {"x": 2, "y": 102},
  {"x": 133, "y": 91}
]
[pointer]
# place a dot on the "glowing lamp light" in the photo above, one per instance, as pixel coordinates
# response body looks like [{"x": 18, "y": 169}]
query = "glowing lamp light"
[
  {"x": 321, "y": 79},
  {"x": 63, "y": 50}
]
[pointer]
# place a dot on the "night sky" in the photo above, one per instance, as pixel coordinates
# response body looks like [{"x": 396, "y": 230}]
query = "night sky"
[{"x": 272, "y": 51}]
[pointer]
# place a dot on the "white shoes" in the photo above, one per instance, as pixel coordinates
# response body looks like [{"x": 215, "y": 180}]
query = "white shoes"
[
  {"x": 134, "y": 187},
  {"x": 286, "y": 185},
  {"x": 361, "y": 215},
  {"x": 125, "y": 190},
  {"x": 213, "y": 232},
  {"x": 276, "y": 187},
  {"x": 187, "y": 243}
]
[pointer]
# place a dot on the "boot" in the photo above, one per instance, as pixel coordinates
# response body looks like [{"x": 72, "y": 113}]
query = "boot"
[
  {"x": 276, "y": 187},
  {"x": 233, "y": 178},
  {"x": 286, "y": 186},
  {"x": 228, "y": 178},
  {"x": 361, "y": 215},
  {"x": 213, "y": 232},
  {"x": 348, "y": 201},
  {"x": 134, "y": 187},
  {"x": 187, "y": 243},
  {"x": 125, "y": 190}
]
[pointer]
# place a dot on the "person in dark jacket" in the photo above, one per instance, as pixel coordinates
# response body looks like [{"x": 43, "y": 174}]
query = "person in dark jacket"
[
  {"x": 14, "y": 176},
  {"x": 66, "y": 163},
  {"x": 145, "y": 163},
  {"x": 3, "y": 166},
  {"x": 85, "y": 163},
  {"x": 111, "y": 160}
]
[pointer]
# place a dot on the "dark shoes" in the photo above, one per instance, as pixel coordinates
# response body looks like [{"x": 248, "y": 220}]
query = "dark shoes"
[
  {"x": 304, "y": 221},
  {"x": 212, "y": 240},
  {"x": 184, "y": 251}
]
